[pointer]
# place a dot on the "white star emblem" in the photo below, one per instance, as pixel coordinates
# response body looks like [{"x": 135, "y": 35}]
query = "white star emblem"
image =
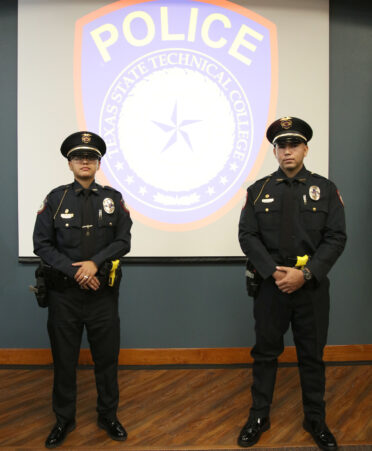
[
  {"x": 233, "y": 166},
  {"x": 223, "y": 180},
  {"x": 210, "y": 190},
  {"x": 143, "y": 190},
  {"x": 119, "y": 165},
  {"x": 129, "y": 179},
  {"x": 176, "y": 129}
]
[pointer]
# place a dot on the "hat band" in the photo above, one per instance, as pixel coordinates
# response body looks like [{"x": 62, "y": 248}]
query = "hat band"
[
  {"x": 289, "y": 134},
  {"x": 84, "y": 148}
]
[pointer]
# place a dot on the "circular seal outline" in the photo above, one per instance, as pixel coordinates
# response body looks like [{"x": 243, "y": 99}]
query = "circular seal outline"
[{"x": 251, "y": 139}]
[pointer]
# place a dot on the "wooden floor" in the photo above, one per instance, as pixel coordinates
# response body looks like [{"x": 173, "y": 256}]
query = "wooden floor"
[{"x": 184, "y": 409}]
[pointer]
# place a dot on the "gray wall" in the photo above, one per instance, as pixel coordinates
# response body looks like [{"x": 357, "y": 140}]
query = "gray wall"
[{"x": 205, "y": 305}]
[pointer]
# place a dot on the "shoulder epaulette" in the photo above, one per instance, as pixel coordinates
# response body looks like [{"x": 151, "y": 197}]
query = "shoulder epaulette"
[
  {"x": 313, "y": 174},
  {"x": 110, "y": 188},
  {"x": 106, "y": 187},
  {"x": 263, "y": 179},
  {"x": 61, "y": 188}
]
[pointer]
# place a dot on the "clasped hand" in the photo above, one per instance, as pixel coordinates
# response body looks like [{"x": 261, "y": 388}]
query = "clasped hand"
[
  {"x": 86, "y": 275},
  {"x": 288, "y": 279}
]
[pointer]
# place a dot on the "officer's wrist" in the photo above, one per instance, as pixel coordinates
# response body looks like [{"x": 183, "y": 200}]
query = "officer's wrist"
[{"x": 307, "y": 274}]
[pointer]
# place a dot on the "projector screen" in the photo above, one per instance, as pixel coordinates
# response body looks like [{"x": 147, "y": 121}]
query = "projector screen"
[{"x": 182, "y": 92}]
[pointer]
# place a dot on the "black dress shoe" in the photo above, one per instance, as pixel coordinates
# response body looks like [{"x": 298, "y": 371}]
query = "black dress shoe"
[
  {"x": 252, "y": 430},
  {"x": 321, "y": 434},
  {"x": 113, "y": 428},
  {"x": 59, "y": 433}
]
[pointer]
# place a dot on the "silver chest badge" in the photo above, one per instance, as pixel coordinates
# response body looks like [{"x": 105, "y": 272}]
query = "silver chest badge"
[
  {"x": 108, "y": 205},
  {"x": 314, "y": 192}
]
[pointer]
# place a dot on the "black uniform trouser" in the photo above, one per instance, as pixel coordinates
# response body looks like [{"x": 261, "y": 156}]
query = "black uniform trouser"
[
  {"x": 307, "y": 310},
  {"x": 69, "y": 312}
]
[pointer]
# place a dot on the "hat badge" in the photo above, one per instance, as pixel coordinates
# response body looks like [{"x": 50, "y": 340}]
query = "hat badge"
[
  {"x": 86, "y": 138},
  {"x": 286, "y": 122}
]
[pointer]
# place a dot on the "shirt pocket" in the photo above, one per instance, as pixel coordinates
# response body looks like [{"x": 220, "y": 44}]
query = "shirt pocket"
[
  {"x": 68, "y": 231},
  {"x": 314, "y": 215},
  {"x": 268, "y": 215},
  {"x": 106, "y": 229}
]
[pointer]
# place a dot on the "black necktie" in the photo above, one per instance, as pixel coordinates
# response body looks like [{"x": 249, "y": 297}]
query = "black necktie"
[
  {"x": 287, "y": 245},
  {"x": 87, "y": 238}
]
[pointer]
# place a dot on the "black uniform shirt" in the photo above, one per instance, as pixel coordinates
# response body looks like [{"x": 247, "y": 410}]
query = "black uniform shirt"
[
  {"x": 59, "y": 229},
  {"x": 318, "y": 222}
]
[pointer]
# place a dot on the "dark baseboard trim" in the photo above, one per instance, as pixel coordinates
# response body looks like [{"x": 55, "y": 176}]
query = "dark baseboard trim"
[{"x": 186, "y": 356}]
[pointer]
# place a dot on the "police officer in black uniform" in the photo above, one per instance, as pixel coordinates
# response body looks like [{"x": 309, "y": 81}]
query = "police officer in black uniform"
[
  {"x": 81, "y": 231},
  {"x": 292, "y": 229}
]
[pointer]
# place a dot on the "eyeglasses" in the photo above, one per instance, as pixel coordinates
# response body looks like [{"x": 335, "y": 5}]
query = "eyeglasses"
[{"x": 82, "y": 159}]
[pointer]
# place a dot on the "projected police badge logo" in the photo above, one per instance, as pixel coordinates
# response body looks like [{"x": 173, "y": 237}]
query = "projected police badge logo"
[{"x": 182, "y": 93}]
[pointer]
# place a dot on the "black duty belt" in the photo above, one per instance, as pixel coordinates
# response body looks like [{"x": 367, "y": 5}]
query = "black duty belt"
[
  {"x": 56, "y": 280},
  {"x": 294, "y": 262}
]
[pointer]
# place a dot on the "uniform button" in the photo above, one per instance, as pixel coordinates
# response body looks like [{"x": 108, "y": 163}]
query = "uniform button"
[
  {"x": 267, "y": 195},
  {"x": 266, "y": 209},
  {"x": 67, "y": 225},
  {"x": 110, "y": 223},
  {"x": 314, "y": 208}
]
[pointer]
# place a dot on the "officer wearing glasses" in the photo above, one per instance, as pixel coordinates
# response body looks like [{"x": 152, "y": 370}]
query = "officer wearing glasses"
[{"x": 82, "y": 229}]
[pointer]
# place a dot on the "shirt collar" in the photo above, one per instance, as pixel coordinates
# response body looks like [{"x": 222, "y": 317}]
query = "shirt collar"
[
  {"x": 301, "y": 176},
  {"x": 78, "y": 189}
]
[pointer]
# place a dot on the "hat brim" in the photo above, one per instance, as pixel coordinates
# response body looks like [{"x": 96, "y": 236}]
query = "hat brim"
[
  {"x": 294, "y": 138},
  {"x": 84, "y": 151}
]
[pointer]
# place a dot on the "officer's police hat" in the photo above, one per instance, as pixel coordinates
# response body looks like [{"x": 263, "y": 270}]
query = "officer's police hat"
[
  {"x": 83, "y": 144},
  {"x": 289, "y": 129}
]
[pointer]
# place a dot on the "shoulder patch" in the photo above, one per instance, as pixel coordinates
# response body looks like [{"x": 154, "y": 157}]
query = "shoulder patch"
[
  {"x": 42, "y": 206},
  {"x": 122, "y": 203},
  {"x": 340, "y": 197}
]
